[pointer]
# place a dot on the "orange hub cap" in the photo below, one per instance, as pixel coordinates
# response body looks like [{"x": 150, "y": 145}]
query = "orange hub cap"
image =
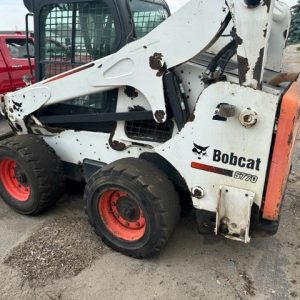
[
  {"x": 122, "y": 215},
  {"x": 14, "y": 180}
]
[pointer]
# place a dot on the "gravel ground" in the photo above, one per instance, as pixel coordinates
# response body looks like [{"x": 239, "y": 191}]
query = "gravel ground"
[
  {"x": 55, "y": 251},
  {"x": 57, "y": 256}
]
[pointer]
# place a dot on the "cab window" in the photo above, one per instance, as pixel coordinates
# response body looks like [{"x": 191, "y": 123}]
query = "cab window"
[
  {"x": 74, "y": 34},
  {"x": 147, "y": 15}
]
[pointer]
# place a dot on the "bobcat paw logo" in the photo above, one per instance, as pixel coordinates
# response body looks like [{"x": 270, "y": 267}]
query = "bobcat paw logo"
[{"x": 200, "y": 151}]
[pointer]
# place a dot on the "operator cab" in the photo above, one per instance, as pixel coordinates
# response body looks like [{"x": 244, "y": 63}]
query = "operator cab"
[{"x": 71, "y": 33}]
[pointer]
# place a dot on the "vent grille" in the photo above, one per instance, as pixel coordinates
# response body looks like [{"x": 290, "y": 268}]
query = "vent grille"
[{"x": 149, "y": 130}]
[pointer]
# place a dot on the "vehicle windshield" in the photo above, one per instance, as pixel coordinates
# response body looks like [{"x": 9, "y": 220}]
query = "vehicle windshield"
[
  {"x": 147, "y": 15},
  {"x": 17, "y": 48}
]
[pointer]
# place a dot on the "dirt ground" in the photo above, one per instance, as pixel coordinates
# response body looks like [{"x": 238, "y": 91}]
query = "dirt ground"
[{"x": 57, "y": 256}]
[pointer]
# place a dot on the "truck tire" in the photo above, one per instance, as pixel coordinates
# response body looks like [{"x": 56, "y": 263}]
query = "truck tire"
[
  {"x": 133, "y": 206},
  {"x": 31, "y": 174}
]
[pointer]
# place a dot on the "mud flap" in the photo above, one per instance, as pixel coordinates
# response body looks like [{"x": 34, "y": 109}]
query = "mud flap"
[{"x": 233, "y": 213}]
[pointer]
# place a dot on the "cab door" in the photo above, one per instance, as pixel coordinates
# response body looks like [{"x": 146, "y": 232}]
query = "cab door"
[
  {"x": 70, "y": 35},
  {"x": 75, "y": 33},
  {"x": 17, "y": 60}
]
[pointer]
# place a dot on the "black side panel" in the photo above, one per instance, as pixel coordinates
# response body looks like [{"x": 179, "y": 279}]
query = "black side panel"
[
  {"x": 73, "y": 172},
  {"x": 90, "y": 167},
  {"x": 97, "y": 118},
  {"x": 176, "y": 100}
]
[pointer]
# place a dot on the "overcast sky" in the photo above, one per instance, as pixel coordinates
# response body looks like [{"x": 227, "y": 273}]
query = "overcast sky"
[{"x": 12, "y": 12}]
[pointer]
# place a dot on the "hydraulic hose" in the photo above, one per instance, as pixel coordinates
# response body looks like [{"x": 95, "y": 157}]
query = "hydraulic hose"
[
  {"x": 215, "y": 61},
  {"x": 226, "y": 58}
]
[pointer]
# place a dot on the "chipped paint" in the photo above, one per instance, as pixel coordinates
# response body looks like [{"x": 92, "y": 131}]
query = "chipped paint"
[
  {"x": 160, "y": 115},
  {"x": 192, "y": 117},
  {"x": 257, "y": 71},
  {"x": 156, "y": 62},
  {"x": 290, "y": 138},
  {"x": 268, "y": 4},
  {"x": 131, "y": 92},
  {"x": 243, "y": 68},
  {"x": 254, "y": 38},
  {"x": 265, "y": 32},
  {"x": 285, "y": 33},
  {"x": 116, "y": 145},
  {"x": 136, "y": 108},
  {"x": 16, "y": 105}
]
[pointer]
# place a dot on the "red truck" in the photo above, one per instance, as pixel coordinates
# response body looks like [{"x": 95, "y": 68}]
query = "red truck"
[{"x": 14, "y": 64}]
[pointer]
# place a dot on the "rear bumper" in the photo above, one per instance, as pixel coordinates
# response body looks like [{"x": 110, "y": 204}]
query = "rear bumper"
[{"x": 287, "y": 128}]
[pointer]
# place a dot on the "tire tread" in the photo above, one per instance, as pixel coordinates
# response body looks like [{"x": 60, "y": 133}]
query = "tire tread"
[
  {"x": 41, "y": 158},
  {"x": 159, "y": 187}
]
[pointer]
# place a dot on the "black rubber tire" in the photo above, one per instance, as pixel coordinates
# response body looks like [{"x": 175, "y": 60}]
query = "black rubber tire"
[
  {"x": 43, "y": 170},
  {"x": 154, "y": 193}
]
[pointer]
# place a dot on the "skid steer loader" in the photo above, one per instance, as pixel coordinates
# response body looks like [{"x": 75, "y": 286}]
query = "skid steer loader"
[{"x": 153, "y": 111}]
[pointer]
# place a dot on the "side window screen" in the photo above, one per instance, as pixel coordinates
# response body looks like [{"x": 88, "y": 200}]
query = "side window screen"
[
  {"x": 147, "y": 15},
  {"x": 74, "y": 34},
  {"x": 17, "y": 48}
]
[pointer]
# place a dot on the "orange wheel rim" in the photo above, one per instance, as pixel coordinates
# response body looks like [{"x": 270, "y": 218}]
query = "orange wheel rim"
[
  {"x": 14, "y": 180},
  {"x": 122, "y": 215}
]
